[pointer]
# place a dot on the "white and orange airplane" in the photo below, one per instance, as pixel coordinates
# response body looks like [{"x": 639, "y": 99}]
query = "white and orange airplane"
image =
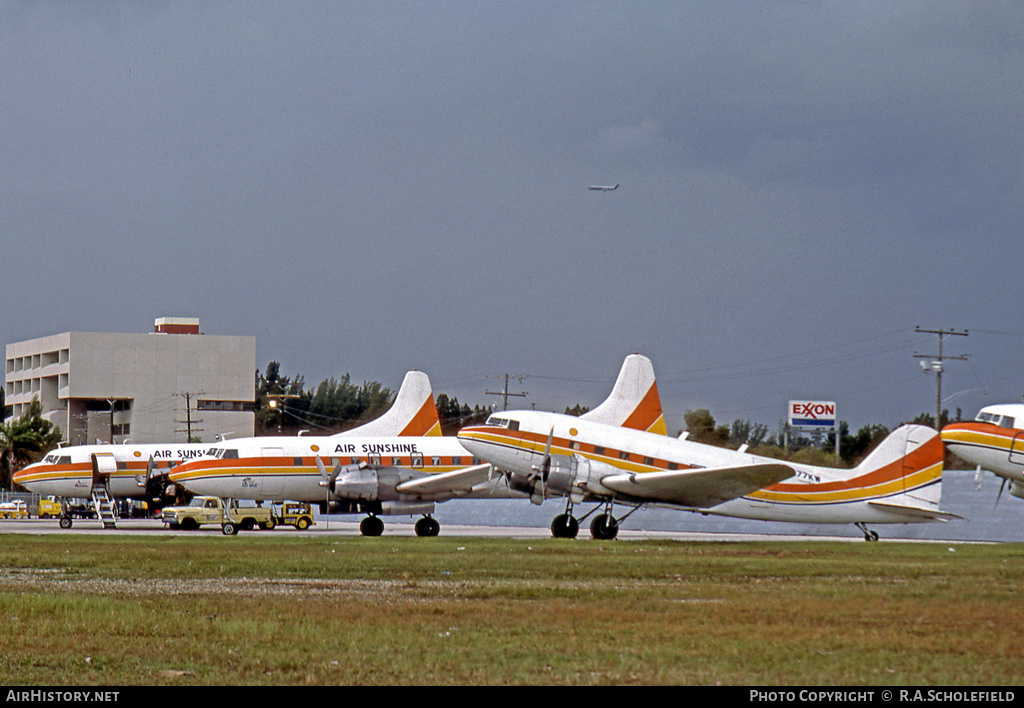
[
  {"x": 379, "y": 475},
  {"x": 101, "y": 473},
  {"x": 993, "y": 441},
  {"x": 550, "y": 455}
]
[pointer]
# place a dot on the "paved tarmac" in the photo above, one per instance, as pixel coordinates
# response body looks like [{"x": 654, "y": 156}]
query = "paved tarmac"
[{"x": 984, "y": 520}]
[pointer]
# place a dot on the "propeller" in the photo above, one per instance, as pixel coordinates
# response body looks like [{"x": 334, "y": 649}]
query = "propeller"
[
  {"x": 542, "y": 470},
  {"x": 327, "y": 478},
  {"x": 1002, "y": 485},
  {"x": 144, "y": 481}
]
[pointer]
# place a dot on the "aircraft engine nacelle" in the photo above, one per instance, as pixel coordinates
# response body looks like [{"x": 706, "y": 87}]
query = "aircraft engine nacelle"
[
  {"x": 1017, "y": 489},
  {"x": 367, "y": 484},
  {"x": 590, "y": 475},
  {"x": 406, "y": 508},
  {"x": 564, "y": 477}
]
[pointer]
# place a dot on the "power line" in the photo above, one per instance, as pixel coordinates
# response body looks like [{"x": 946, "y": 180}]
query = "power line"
[{"x": 937, "y": 365}]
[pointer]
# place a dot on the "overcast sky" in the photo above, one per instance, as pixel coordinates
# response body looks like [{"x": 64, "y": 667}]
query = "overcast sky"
[{"x": 374, "y": 187}]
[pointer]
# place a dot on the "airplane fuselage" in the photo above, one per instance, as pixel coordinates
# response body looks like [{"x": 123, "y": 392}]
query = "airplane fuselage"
[
  {"x": 517, "y": 443},
  {"x": 287, "y": 468},
  {"x": 993, "y": 441},
  {"x": 69, "y": 472}
]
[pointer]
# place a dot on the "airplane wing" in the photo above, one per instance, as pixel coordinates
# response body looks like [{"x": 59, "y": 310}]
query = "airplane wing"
[
  {"x": 457, "y": 481},
  {"x": 700, "y": 488}
]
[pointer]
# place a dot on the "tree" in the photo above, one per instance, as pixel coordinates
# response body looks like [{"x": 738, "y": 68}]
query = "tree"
[
  {"x": 701, "y": 425},
  {"x": 25, "y": 440}
]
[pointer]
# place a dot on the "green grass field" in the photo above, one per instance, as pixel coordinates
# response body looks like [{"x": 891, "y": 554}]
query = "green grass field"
[{"x": 207, "y": 609}]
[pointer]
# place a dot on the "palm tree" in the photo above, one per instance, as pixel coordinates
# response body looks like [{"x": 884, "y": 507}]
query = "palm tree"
[{"x": 25, "y": 440}]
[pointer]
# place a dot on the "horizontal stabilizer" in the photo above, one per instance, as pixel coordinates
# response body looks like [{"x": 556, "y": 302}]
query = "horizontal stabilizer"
[
  {"x": 698, "y": 488},
  {"x": 916, "y": 513},
  {"x": 456, "y": 482}
]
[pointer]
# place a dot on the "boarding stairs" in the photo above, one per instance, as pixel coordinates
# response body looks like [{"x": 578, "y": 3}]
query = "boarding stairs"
[{"x": 104, "y": 506}]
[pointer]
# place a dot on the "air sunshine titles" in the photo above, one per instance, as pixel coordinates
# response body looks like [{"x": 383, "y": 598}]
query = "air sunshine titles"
[{"x": 377, "y": 448}]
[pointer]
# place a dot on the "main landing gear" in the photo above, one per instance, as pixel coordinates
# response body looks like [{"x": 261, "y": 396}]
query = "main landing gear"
[
  {"x": 604, "y": 526},
  {"x": 869, "y": 535},
  {"x": 373, "y": 526}
]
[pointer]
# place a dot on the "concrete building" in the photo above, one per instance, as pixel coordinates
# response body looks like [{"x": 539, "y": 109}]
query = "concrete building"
[{"x": 141, "y": 388}]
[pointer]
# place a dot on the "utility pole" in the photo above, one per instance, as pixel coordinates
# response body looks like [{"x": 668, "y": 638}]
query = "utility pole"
[
  {"x": 504, "y": 393},
  {"x": 187, "y": 395},
  {"x": 937, "y": 365}
]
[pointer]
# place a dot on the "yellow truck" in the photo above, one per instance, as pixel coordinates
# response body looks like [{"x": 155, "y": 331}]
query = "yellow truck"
[
  {"x": 297, "y": 514},
  {"x": 49, "y": 508},
  {"x": 213, "y": 510}
]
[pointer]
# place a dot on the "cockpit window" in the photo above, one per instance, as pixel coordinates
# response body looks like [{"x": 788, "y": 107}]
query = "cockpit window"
[
  {"x": 1006, "y": 422},
  {"x": 503, "y": 422}
]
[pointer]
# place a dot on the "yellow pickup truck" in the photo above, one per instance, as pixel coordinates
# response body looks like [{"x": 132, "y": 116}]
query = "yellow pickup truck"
[{"x": 213, "y": 510}]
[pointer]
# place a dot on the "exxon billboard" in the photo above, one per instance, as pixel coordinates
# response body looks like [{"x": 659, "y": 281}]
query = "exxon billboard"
[{"x": 812, "y": 414}]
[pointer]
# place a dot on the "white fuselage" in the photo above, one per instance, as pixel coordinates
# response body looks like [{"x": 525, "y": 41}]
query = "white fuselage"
[
  {"x": 516, "y": 442},
  {"x": 70, "y": 471},
  {"x": 994, "y": 440},
  {"x": 287, "y": 468}
]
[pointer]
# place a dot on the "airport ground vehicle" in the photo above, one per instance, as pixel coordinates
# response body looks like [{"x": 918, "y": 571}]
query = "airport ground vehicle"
[
  {"x": 214, "y": 510},
  {"x": 297, "y": 514},
  {"x": 49, "y": 508},
  {"x": 14, "y": 509}
]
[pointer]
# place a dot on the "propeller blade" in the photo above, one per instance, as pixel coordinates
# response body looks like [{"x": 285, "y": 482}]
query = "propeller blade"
[
  {"x": 327, "y": 479},
  {"x": 144, "y": 481},
  {"x": 1001, "y": 486}
]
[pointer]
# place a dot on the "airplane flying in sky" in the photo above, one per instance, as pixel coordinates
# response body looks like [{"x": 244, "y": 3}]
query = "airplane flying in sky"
[
  {"x": 551, "y": 455},
  {"x": 993, "y": 441},
  {"x": 603, "y": 188},
  {"x": 102, "y": 473}
]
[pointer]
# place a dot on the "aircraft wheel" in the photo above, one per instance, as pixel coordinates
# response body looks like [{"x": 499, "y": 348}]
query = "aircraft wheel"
[
  {"x": 565, "y": 526},
  {"x": 871, "y": 536},
  {"x": 65, "y": 522},
  {"x": 427, "y": 527},
  {"x": 604, "y": 527},
  {"x": 371, "y": 526}
]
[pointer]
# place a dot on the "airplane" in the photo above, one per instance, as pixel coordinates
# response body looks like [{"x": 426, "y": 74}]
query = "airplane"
[
  {"x": 102, "y": 473},
  {"x": 379, "y": 476},
  {"x": 603, "y": 188},
  {"x": 550, "y": 455},
  {"x": 994, "y": 441}
]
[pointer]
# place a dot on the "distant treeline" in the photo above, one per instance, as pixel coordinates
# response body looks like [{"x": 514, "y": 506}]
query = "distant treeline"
[{"x": 284, "y": 405}]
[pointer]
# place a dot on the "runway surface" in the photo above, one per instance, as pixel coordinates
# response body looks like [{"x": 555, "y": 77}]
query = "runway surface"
[{"x": 984, "y": 521}]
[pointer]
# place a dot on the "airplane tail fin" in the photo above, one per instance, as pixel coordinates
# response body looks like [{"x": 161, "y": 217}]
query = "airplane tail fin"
[
  {"x": 634, "y": 401},
  {"x": 413, "y": 413},
  {"x": 904, "y": 473}
]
